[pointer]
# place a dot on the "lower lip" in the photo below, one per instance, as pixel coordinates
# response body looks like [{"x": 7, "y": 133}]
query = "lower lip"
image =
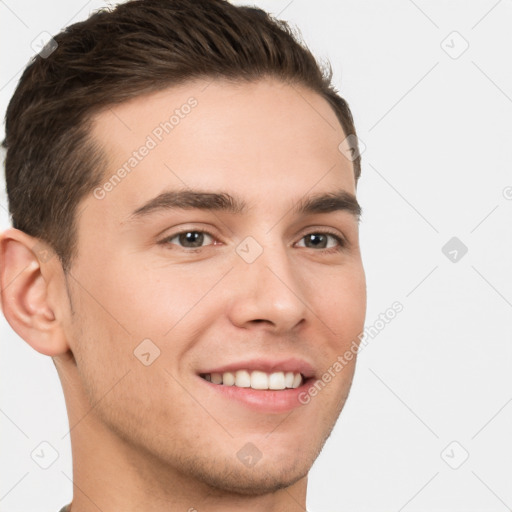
[{"x": 263, "y": 400}]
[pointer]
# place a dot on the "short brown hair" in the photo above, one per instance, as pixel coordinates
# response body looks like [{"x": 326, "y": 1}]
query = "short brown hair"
[{"x": 139, "y": 47}]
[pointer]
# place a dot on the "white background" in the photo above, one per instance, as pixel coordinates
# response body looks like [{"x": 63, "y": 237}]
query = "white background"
[{"x": 437, "y": 165}]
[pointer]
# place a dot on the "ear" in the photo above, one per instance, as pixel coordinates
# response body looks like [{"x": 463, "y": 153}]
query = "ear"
[{"x": 29, "y": 270}]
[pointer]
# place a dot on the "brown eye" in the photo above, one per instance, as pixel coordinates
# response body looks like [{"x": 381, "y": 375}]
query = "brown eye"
[
  {"x": 189, "y": 239},
  {"x": 319, "y": 240}
]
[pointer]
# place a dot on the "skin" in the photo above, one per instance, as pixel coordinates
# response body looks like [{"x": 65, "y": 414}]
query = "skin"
[{"x": 153, "y": 437}]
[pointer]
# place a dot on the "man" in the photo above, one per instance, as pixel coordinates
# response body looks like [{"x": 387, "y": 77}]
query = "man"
[{"x": 181, "y": 179}]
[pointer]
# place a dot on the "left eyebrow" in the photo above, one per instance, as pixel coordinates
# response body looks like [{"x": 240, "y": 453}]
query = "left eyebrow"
[
  {"x": 195, "y": 199},
  {"x": 330, "y": 202}
]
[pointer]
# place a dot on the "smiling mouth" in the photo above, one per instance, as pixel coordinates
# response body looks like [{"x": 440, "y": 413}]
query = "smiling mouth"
[{"x": 256, "y": 379}]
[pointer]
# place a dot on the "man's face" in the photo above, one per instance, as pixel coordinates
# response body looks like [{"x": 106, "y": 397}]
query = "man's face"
[{"x": 267, "y": 288}]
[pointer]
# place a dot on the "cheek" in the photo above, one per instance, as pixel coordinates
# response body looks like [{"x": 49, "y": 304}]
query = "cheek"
[
  {"x": 144, "y": 302},
  {"x": 344, "y": 303},
  {"x": 165, "y": 302},
  {"x": 340, "y": 314}
]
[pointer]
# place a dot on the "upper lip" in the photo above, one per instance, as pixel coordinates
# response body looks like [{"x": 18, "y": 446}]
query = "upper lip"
[{"x": 291, "y": 364}]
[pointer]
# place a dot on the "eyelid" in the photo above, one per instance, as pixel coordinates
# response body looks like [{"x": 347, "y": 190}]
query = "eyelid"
[
  {"x": 323, "y": 229},
  {"x": 165, "y": 241},
  {"x": 341, "y": 239}
]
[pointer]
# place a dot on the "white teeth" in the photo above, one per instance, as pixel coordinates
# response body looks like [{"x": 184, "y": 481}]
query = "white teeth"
[
  {"x": 259, "y": 380},
  {"x": 276, "y": 381},
  {"x": 242, "y": 379},
  {"x": 297, "y": 380},
  {"x": 256, "y": 379},
  {"x": 228, "y": 379}
]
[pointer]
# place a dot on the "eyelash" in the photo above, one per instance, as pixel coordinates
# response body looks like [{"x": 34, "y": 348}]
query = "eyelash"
[{"x": 338, "y": 248}]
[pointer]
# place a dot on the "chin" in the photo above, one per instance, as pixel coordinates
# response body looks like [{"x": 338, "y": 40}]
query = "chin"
[{"x": 255, "y": 481}]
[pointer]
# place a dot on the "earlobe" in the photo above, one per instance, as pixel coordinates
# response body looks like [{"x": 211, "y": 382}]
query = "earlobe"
[{"x": 25, "y": 297}]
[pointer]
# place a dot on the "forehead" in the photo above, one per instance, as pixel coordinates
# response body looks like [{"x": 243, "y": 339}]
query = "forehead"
[{"x": 262, "y": 140}]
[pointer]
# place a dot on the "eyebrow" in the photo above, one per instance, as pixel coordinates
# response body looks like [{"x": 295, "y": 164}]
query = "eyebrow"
[{"x": 340, "y": 200}]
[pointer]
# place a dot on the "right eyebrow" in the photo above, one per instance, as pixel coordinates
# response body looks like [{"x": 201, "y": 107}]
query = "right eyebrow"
[{"x": 188, "y": 200}]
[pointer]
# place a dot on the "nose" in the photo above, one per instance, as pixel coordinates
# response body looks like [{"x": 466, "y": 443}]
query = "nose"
[{"x": 269, "y": 292}]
